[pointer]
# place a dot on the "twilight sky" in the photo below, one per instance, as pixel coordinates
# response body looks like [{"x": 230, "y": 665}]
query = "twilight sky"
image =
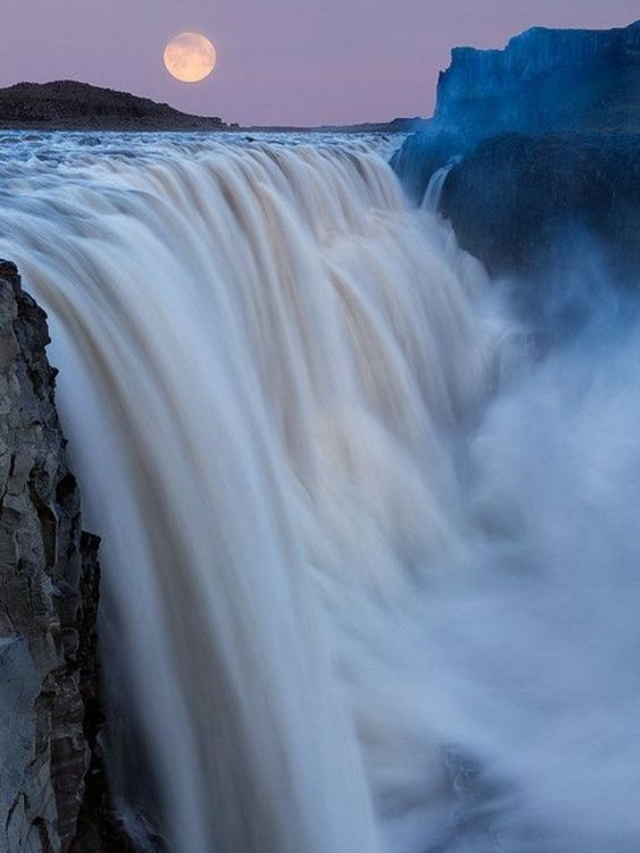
[{"x": 280, "y": 61}]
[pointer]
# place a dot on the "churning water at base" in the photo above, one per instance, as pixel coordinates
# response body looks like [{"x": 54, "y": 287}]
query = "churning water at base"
[{"x": 370, "y": 564}]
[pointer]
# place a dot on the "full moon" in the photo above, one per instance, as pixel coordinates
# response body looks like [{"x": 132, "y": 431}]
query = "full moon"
[{"x": 190, "y": 57}]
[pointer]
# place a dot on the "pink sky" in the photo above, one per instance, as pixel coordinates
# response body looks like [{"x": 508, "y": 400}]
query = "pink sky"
[{"x": 283, "y": 62}]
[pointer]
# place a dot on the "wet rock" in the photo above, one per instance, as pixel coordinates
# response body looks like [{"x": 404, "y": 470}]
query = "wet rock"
[
  {"x": 522, "y": 203},
  {"x": 49, "y": 689}
]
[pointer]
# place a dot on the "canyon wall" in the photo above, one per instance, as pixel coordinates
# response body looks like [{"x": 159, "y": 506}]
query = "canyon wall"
[
  {"x": 544, "y": 80},
  {"x": 52, "y": 784},
  {"x": 516, "y": 201}
]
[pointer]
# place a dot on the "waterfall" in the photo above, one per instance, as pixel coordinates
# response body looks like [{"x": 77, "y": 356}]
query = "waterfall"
[
  {"x": 354, "y": 601},
  {"x": 433, "y": 193}
]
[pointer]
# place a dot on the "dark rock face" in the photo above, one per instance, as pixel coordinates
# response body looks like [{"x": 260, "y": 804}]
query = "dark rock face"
[
  {"x": 545, "y": 80},
  {"x": 67, "y": 104},
  {"x": 523, "y": 203},
  {"x": 49, "y": 579},
  {"x": 421, "y": 155}
]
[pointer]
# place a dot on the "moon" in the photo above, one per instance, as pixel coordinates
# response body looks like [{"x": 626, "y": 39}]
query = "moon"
[{"x": 190, "y": 57}]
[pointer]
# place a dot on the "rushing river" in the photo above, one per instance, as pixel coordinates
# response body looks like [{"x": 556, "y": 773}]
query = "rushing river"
[{"x": 371, "y": 560}]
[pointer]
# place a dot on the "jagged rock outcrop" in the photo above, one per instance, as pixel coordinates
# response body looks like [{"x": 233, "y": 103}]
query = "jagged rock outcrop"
[{"x": 49, "y": 703}]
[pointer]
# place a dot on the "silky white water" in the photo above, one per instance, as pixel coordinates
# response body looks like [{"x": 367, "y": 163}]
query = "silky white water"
[
  {"x": 433, "y": 194},
  {"x": 370, "y": 561}
]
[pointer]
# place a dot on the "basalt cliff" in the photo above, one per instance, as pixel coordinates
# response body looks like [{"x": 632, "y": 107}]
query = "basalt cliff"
[
  {"x": 53, "y": 794},
  {"x": 543, "y": 141},
  {"x": 544, "y": 80}
]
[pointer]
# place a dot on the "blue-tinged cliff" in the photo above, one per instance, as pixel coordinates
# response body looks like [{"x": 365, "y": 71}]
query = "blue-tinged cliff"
[
  {"x": 544, "y": 80},
  {"x": 545, "y": 137}
]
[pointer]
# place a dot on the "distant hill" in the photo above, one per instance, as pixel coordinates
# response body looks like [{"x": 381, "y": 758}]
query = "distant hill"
[
  {"x": 70, "y": 105},
  {"x": 396, "y": 125},
  {"x": 67, "y": 104}
]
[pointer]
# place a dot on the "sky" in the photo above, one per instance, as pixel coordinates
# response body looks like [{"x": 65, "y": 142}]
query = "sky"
[{"x": 281, "y": 62}]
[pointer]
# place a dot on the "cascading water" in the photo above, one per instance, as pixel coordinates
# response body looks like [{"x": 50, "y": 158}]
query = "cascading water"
[
  {"x": 433, "y": 193},
  {"x": 355, "y": 598}
]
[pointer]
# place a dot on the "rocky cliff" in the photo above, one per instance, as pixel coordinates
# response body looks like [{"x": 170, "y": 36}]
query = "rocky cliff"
[
  {"x": 50, "y": 770},
  {"x": 545, "y": 80},
  {"x": 523, "y": 204}
]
